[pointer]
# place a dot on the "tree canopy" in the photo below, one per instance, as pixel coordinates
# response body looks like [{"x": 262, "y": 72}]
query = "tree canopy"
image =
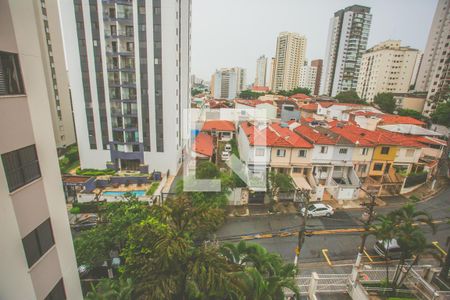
[
  {"x": 349, "y": 97},
  {"x": 441, "y": 115},
  {"x": 248, "y": 94},
  {"x": 299, "y": 90},
  {"x": 411, "y": 113},
  {"x": 385, "y": 102}
]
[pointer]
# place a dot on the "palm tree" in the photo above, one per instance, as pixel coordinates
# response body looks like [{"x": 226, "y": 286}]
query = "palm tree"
[
  {"x": 108, "y": 289},
  {"x": 410, "y": 237},
  {"x": 384, "y": 230}
]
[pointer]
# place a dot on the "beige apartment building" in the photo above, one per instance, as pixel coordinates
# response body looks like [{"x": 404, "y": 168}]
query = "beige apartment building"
[
  {"x": 37, "y": 258},
  {"x": 290, "y": 56},
  {"x": 386, "y": 67}
]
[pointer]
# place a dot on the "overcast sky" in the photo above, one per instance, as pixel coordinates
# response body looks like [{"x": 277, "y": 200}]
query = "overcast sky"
[{"x": 228, "y": 33}]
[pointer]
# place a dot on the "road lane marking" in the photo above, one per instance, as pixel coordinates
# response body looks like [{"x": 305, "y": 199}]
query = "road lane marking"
[
  {"x": 325, "y": 254},
  {"x": 436, "y": 244}
]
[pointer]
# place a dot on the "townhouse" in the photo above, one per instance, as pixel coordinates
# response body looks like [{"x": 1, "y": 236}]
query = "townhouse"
[
  {"x": 333, "y": 171},
  {"x": 264, "y": 105}
]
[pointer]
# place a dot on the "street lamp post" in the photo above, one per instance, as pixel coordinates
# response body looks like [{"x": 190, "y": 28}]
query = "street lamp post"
[
  {"x": 367, "y": 223},
  {"x": 303, "y": 217}
]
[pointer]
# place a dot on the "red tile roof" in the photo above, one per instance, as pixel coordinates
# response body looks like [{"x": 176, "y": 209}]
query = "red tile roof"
[
  {"x": 256, "y": 88},
  {"x": 325, "y": 103},
  {"x": 310, "y": 106},
  {"x": 203, "y": 144},
  {"x": 252, "y": 103},
  {"x": 319, "y": 135},
  {"x": 430, "y": 141},
  {"x": 273, "y": 135},
  {"x": 300, "y": 96},
  {"x": 394, "y": 119},
  {"x": 218, "y": 125}
]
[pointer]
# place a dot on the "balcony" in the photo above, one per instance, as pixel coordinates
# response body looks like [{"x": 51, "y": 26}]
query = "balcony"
[
  {"x": 121, "y": 34},
  {"x": 122, "y": 2}
]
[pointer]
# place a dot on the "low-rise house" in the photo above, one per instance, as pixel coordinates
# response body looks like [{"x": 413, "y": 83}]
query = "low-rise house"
[
  {"x": 302, "y": 99},
  {"x": 341, "y": 111},
  {"x": 202, "y": 148},
  {"x": 413, "y": 101},
  {"x": 308, "y": 110},
  {"x": 224, "y": 130},
  {"x": 333, "y": 171},
  {"x": 266, "y": 105},
  {"x": 371, "y": 120}
]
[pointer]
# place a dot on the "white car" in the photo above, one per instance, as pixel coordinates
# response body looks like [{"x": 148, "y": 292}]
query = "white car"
[
  {"x": 227, "y": 147},
  {"x": 319, "y": 210},
  {"x": 225, "y": 155}
]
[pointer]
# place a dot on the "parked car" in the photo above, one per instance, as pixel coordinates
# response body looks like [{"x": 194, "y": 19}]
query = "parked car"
[
  {"x": 225, "y": 155},
  {"x": 390, "y": 247},
  {"x": 227, "y": 147},
  {"x": 85, "y": 224},
  {"x": 318, "y": 210}
]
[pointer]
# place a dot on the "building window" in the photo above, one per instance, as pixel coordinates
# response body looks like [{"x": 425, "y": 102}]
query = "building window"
[
  {"x": 362, "y": 168},
  {"x": 302, "y": 153},
  {"x": 297, "y": 170},
  {"x": 10, "y": 77},
  {"x": 259, "y": 152},
  {"x": 343, "y": 151},
  {"x": 323, "y": 149},
  {"x": 281, "y": 153},
  {"x": 21, "y": 167},
  {"x": 385, "y": 150},
  {"x": 378, "y": 167},
  {"x": 364, "y": 151},
  {"x": 38, "y": 242},
  {"x": 58, "y": 292}
]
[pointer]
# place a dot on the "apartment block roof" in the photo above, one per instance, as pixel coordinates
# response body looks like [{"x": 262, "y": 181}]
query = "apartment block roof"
[
  {"x": 203, "y": 144},
  {"x": 218, "y": 125}
]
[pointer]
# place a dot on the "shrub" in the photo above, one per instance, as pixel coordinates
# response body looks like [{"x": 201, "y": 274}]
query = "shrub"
[
  {"x": 414, "y": 198},
  {"x": 95, "y": 172},
  {"x": 87, "y": 207},
  {"x": 75, "y": 210},
  {"x": 152, "y": 189}
]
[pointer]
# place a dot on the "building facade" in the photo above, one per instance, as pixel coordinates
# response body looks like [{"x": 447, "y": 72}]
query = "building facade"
[
  {"x": 290, "y": 55},
  {"x": 318, "y": 64},
  {"x": 434, "y": 72},
  {"x": 308, "y": 77},
  {"x": 386, "y": 68},
  {"x": 273, "y": 64},
  {"x": 38, "y": 259},
  {"x": 129, "y": 67},
  {"x": 347, "y": 40},
  {"x": 228, "y": 83},
  {"x": 261, "y": 71}
]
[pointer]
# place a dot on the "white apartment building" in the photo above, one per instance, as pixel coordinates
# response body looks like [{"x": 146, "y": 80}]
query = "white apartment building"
[
  {"x": 416, "y": 69},
  {"x": 347, "y": 40},
  {"x": 228, "y": 83},
  {"x": 37, "y": 258},
  {"x": 261, "y": 71},
  {"x": 434, "y": 73},
  {"x": 308, "y": 76},
  {"x": 386, "y": 67},
  {"x": 128, "y": 67},
  {"x": 290, "y": 55},
  {"x": 273, "y": 64}
]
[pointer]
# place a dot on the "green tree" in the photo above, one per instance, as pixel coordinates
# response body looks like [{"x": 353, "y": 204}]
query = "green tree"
[
  {"x": 384, "y": 230},
  {"x": 279, "y": 182},
  {"x": 195, "y": 91},
  {"x": 207, "y": 170},
  {"x": 349, "y": 97},
  {"x": 385, "y": 102},
  {"x": 410, "y": 113},
  {"x": 248, "y": 94},
  {"x": 442, "y": 114},
  {"x": 109, "y": 289},
  {"x": 299, "y": 90}
]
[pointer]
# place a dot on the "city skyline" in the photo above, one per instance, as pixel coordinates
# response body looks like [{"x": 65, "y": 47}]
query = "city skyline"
[{"x": 255, "y": 40}]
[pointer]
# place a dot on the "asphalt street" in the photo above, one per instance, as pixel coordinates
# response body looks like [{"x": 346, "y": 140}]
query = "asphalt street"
[{"x": 341, "y": 246}]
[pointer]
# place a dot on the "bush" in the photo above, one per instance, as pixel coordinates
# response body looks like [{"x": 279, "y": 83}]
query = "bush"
[
  {"x": 75, "y": 210},
  {"x": 152, "y": 189},
  {"x": 87, "y": 207},
  {"x": 414, "y": 198},
  {"x": 95, "y": 172},
  {"x": 72, "y": 153}
]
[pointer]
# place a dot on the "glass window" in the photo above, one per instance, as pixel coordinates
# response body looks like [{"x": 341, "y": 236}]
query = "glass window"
[
  {"x": 343, "y": 151},
  {"x": 281, "y": 153},
  {"x": 378, "y": 167},
  {"x": 58, "y": 292},
  {"x": 21, "y": 167},
  {"x": 302, "y": 153},
  {"x": 364, "y": 151},
  {"x": 10, "y": 75},
  {"x": 385, "y": 150},
  {"x": 323, "y": 149},
  {"x": 38, "y": 242}
]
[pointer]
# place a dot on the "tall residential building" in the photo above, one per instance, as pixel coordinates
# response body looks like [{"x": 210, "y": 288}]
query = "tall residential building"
[
  {"x": 273, "y": 64},
  {"x": 347, "y": 40},
  {"x": 318, "y": 64},
  {"x": 290, "y": 55},
  {"x": 416, "y": 69},
  {"x": 37, "y": 256},
  {"x": 386, "y": 67},
  {"x": 228, "y": 83},
  {"x": 434, "y": 73},
  {"x": 128, "y": 66},
  {"x": 261, "y": 71},
  {"x": 308, "y": 76}
]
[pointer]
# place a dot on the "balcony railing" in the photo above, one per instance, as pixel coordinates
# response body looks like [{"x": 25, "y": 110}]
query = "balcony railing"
[{"x": 119, "y": 34}]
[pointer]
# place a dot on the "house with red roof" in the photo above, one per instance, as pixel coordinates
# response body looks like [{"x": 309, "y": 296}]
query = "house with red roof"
[
  {"x": 223, "y": 129},
  {"x": 371, "y": 119},
  {"x": 341, "y": 111},
  {"x": 267, "y": 105},
  {"x": 260, "y": 89},
  {"x": 333, "y": 170},
  {"x": 203, "y": 147},
  {"x": 302, "y": 98}
]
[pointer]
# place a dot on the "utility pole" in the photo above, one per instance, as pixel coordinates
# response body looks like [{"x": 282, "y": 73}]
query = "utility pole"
[
  {"x": 368, "y": 221},
  {"x": 304, "y": 203}
]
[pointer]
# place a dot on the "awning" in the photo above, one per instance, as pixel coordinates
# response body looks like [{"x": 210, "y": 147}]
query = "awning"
[{"x": 301, "y": 182}]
